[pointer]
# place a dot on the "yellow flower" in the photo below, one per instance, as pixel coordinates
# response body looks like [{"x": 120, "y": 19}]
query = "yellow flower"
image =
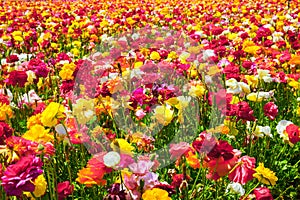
[
  {"x": 130, "y": 21},
  {"x": 252, "y": 80},
  {"x": 294, "y": 84},
  {"x": 66, "y": 73},
  {"x": 122, "y": 146},
  {"x": 40, "y": 187},
  {"x": 252, "y": 49},
  {"x": 84, "y": 110},
  {"x": 163, "y": 114},
  {"x": 18, "y": 38},
  {"x": 172, "y": 55},
  {"x": 33, "y": 120},
  {"x": 265, "y": 175},
  {"x": 38, "y": 133},
  {"x": 53, "y": 112},
  {"x": 5, "y": 112},
  {"x": 197, "y": 91},
  {"x": 75, "y": 52},
  {"x": 154, "y": 55},
  {"x": 156, "y": 194}
]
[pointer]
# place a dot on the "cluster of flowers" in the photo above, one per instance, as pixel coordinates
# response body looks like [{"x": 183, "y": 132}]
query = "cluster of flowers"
[{"x": 71, "y": 78}]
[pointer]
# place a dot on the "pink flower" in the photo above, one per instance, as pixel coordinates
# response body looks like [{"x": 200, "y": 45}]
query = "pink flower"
[
  {"x": 141, "y": 167},
  {"x": 64, "y": 189},
  {"x": 262, "y": 193},
  {"x": 244, "y": 171},
  {"x": 270, "y": 110},
  {"x": 177, "y": 150}
]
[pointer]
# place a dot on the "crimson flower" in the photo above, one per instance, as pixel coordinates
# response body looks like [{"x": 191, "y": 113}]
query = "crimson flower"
[
  {"x": 64, "y": 189},
  {"x": 244, "y": 171},
  {"x": 19, "y": 177},
  {"x": 270, "y": 110},
  {"x": 262, "y": 193}
]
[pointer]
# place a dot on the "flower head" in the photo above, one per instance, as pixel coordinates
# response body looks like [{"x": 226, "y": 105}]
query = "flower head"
[
  {"x": 52, "y": 113},
  {"x": 19, "y": 177},
  {"x": 156, "y": 194},
  {"x": 265, "y": 175}
]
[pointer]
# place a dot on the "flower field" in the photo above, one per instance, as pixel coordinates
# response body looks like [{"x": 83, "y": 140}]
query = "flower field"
[{"x": 151, "y": 100}]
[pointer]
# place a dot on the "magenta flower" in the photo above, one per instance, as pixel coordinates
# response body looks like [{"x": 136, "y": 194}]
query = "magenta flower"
[
  {"x": 271, "y": 110},
  {"x": 244, "y": 171},
  {"x": 5, "y": 132},
  {"x": 64, "y": 189},
  {"x": 19, "y": 177}
]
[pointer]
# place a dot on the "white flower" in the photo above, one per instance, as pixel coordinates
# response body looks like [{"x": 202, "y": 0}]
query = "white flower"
[
  {"x": 281, "y": 126},
  {"x": 208, "y": 53},
  {"x": 60, "y": 129},
  {"x": 111, "y": 159},
  {"x": 235, "y": 188},
  {"x": 245, "y": 87},
  {"x": 233, "y": 86},
  {"x": 264, "y": 75},
  {"x": 262, "y": 131}
]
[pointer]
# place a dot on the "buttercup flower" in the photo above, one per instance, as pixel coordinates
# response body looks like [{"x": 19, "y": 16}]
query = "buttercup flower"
[
  {"x": 19, "y": 177},
  {"x": 64, "y": 189},
  {"x": 52, "y": 114},
  {"x": 265, "y": 175},
  {"x": 156, "y": 194},
  {"x": 5, "y": 112},
  {"x": 262, "y": 193},
  {"x": 40, "y": 187}
]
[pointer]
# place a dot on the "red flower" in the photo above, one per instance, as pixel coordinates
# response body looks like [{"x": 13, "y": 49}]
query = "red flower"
[
  {"x": 221, "y": 160},
  {"x": 64, "y": 189},
  {"x": 4, "y": 99},
  {"x": 177, "y": 180},
  {"x": 242, "y": 110},
  {"x": 270, "y": 110},
  {"x": 262, "y": 193},
  {"x": 293, "y": 133},
  {"x": 17, "y": 78},
  {"x": 12, "y": 58},
  {"x": 204, "y": 143},
  {"x": 5, "y": 132},
  {"x": 244, "y": 171}
]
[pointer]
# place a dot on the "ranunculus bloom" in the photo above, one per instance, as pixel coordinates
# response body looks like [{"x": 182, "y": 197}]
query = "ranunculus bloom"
[
  {"x": 244, "y": 171},
  {"x": 221, "y": 159},
  {"x": 5, "y": 132},
  {"x": 293, "y": 133},
  {"x": 116, "y": 192},
  {"x": 17, "y": 78},
  {"x": 156, "y": 193},
  {"x": 270, "y": 110},
  {"x": 177, "y": 150},
  {"x": 64, "y": 189},
  {"x": 177, "y": 180},
  {"x": 262, "y": 193},
  {"x": 52, "y": 113},
  {"x": 19, "y": 177},
  {"x": 94, "y": 171}
]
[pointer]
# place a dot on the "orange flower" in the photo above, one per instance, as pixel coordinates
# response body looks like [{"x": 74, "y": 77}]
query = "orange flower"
[
  {"x": 193, "y": 160},
  {"x": 94, "y": 172},
  {"x": 295, "y": 60}
]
